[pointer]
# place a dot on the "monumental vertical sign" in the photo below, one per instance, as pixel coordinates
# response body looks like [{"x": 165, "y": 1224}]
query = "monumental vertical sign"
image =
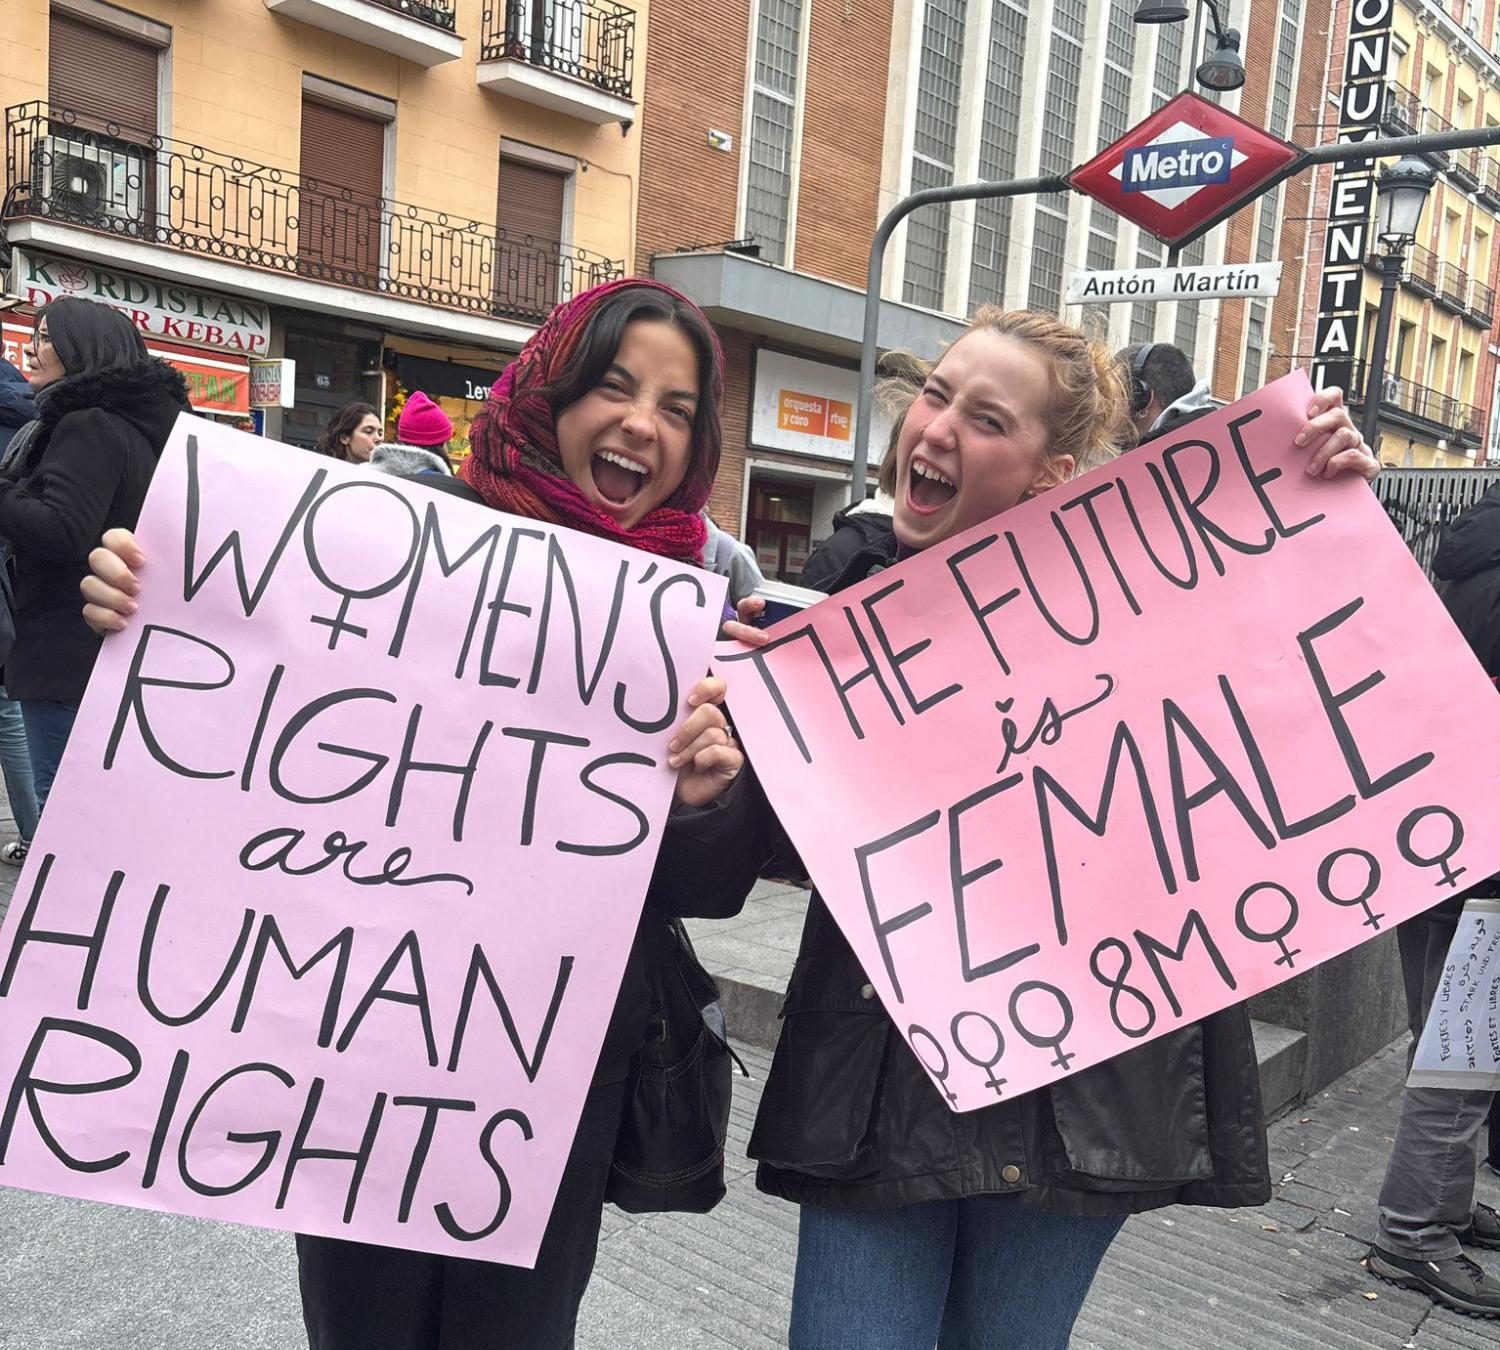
[{"x": 1348, "y": 239}]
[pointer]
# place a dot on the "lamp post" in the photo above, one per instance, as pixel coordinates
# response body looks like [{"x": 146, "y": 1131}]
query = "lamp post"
[
  {"x": 1222, "y": 70},
  {"x": 1401, "y": 192}
]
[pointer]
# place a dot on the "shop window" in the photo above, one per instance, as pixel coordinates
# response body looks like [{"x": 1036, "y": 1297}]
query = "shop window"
[{"x": 779, "y": 529}]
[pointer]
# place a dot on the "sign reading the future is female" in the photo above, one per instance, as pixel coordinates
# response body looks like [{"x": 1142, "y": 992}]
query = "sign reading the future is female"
[
  {"x": 1143, "y": 746},
  {"x": 328, "y": 911}
]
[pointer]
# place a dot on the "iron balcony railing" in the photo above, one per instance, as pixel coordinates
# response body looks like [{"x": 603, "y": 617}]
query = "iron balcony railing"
[
  {"x": 1421, "y": 270},
  {"x": 1444, "y": 413},
  {"x": 588, "y": 40},
  {"x": 1452, "y": 287},
  {"x": 63, "y": 167},
  {"x": 1489, "y": 181},
  {"x": 1481, "y": 303},
  {"x": 1402, "y": 113},
  {"x": 438, "y": 13},
  {"x": 1468, "y": 168}
]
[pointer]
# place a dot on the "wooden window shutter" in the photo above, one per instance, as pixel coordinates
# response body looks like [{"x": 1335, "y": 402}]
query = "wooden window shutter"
[
  {"x": 532, "y": 273},
  {"x": 531, "y": 202},
  {"x": 343, "y": 148},
  {"x": 339, "y": 197},
  {"x": 78, "y": 56}
]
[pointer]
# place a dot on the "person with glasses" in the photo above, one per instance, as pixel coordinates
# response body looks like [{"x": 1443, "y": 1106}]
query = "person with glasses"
[{"x": 104, "y": 410}]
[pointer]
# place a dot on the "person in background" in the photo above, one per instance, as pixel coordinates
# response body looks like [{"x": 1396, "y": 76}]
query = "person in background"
[
  {"x": 868, "y": 523},
  {"x": 352, "y": 433},
  {"x": 1164, "y": 392},
  {"x": 1428, "y": 1214},
  {"x": 421, "y": 445},
  {"x": 17, "y": 411},
  {"x": 105, "y": 408},
  {"x": 732, "y": 558}
]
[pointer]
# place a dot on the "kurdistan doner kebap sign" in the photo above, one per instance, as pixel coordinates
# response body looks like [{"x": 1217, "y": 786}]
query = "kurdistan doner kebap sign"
[{"x": 1184, "y": 164}]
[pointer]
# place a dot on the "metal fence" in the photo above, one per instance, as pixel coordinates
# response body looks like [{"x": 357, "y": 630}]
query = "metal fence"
[
  {"x": 588, "y": 40},
  {"x": 1421, "y": 502},
  {"x": 64, "y": 167}
]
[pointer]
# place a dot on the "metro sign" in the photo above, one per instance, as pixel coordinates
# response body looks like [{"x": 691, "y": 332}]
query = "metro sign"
[{"x": 1186, "y": 163}]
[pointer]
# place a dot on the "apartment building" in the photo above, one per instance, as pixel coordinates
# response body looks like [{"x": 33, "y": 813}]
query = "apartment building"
[
  {"x": 1438, "y": 396},
  {"x": 770, "y": 153},
  {"x": 391, "y": 193}
]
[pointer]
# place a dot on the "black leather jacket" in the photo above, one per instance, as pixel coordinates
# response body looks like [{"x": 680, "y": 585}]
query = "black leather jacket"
[{"x": 850, "y": 1120}]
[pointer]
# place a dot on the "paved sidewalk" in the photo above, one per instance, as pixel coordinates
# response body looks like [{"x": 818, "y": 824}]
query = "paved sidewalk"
[{"x": 80, "y": 1276}]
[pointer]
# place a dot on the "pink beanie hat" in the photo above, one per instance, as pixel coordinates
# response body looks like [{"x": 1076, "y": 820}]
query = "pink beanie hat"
[{"x": 422, "y": 422}]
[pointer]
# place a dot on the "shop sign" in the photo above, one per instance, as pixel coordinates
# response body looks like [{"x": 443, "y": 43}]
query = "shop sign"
[
  {"x": 807, "y": 407},
  {"x": 213, "y": 386},
  {"x": 1236, "y": 281},
  {"x": 445, "y": 379},
  {"x": 158, "y": 308},
  {"x": 1346, "y": 241},
  {"x": 1185, "y": 163},
  {"x": 273, "y": 383}
]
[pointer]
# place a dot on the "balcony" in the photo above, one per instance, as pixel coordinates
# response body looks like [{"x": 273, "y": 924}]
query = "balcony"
[
  {"x": 417, "y": 30},
  {"x": 1481, "y": 306},
  {"x": 1489, "y": 182},
  {"x": 1421, "y": 273},
  {"x": 575, "y": 57},
  {"x": 61, "y": 168},
  {"x": 1468, "y": 167},
  {"x": 1402, "y": 114},
  {"x": 1423, "y": 411},
  {"x": 1452, "y": 288}
]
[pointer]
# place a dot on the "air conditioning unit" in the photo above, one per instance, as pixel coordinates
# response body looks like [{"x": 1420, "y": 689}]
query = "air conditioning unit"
[{"x": 100, "y": 183}]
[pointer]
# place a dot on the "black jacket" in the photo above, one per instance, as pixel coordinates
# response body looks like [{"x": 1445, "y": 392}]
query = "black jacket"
[
  {"x": 854, "y": 529},
  {"x": 850, "y": 1120},
  {"x": 17, "y": 403},
  {"x": 86, "y": 471}
]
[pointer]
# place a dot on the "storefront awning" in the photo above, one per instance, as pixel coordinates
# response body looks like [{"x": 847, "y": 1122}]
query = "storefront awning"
[{"x": 802, "y": 311}]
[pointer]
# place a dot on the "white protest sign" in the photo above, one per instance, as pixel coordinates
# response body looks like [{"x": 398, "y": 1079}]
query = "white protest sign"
[{"x": 1460, "y": 1045}]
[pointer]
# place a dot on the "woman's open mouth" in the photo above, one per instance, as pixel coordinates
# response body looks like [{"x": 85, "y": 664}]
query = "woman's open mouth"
[
  {"x": 928, "y": 489},
  {"x": 618, "y": 478}
]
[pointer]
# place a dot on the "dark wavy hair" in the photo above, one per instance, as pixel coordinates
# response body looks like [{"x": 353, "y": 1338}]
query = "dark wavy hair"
[
  {"x": 89, "y": 337},
  {"x": 343, "y": 423},
  {"x": 595, "y": 352}
]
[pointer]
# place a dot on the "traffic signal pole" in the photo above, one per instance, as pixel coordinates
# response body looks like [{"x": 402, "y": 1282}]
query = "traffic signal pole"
[{"x": 1333, "y": 153}]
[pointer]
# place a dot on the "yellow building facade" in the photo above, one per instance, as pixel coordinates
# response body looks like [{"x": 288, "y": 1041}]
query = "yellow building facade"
[
  {"x": 398, "y": 190},
  {"x": 1438, "y": 393}
]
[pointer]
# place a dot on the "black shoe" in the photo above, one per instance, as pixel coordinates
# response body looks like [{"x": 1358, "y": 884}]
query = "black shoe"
[
  {"x": 1455, "y": 1282},
  {"x": 1483, "y": 1229}
]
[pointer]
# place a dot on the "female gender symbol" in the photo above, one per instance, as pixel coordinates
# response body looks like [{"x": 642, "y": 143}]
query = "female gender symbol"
[
  {"x": 1062, "y": 1059},
  {"x": 1372, "y": 883},
  {"x": 1278, "y": 936}
]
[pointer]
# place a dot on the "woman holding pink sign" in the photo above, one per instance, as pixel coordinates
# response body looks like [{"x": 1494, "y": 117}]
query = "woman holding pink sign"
[
  {"x": 607, "y": 422},
  {"x": 919, "y": 1226}
]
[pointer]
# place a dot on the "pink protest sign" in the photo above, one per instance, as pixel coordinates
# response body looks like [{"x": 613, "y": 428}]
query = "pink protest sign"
[
  {"x": 329, "y": 908},
  {"x": 1141, "y": 747}
]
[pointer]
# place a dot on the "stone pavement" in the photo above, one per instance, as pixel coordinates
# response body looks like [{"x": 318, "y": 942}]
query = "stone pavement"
[{"x": 80, "y": 1276}]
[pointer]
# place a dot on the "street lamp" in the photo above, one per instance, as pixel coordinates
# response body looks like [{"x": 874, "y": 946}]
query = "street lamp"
[
  {"x": 1222, "y": 71},
  {"x": 1401, "y": 192}
]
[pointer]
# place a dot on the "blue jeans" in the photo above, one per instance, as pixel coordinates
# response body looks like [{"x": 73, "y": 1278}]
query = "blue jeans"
[
  {"x": 48, "y": 726},
  {"x": 15, "y": 764},
  {"x": 981, "y": 1273}
]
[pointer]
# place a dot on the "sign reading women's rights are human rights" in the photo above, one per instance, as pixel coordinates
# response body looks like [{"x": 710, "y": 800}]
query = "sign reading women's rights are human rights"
[
  {"x": 1139, "y": 748},
  {"x": 329, "y": 910}
]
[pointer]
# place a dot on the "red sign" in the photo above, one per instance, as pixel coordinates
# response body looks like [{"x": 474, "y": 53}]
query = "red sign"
[
  {"x": 1187, "y": 162},
  {"x": 216, "y": 383}
]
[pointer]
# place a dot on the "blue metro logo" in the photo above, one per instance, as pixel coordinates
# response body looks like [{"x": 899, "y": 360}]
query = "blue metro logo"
[{"x": 1177, "y": 164}]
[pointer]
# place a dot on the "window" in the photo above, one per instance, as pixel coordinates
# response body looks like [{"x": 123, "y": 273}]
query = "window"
[
  {"x": 1464, "y": 386},
  {"x": 1143, "y": 320},
  {"x": 125, "y": 99},
  {"x": 339, "y": 194},
  {"x": 1059, "y": 124},
  {"x": 1268, "y": 224},
  {"x": 1437, "y": 363},
  {"x": 997, "y": 149},
  {"x": 938, "y": 89},
  {"x": 530, "y": 274},
  {"x": 773, "y": 126},
  {"x": 1114, "y": 122}
]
